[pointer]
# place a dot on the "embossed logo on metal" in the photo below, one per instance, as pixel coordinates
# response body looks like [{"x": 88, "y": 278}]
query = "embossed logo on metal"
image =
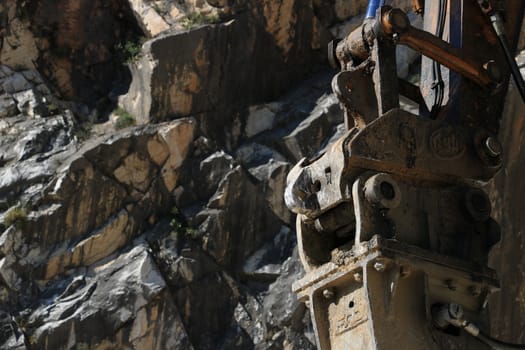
[{"x": 447, "y": 143}]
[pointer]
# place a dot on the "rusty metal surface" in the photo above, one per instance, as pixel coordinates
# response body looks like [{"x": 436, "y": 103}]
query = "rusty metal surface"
[
  {"x": 385, "y": 71},
  {"x": 399, "y": 143},
  {"x": 368, "y": 301},
  {"x": 475, "y": 106},
  {"x": 355, "y": 90},
  {"x": 507, "y": 189},
  {"x": 396, "y": 22},
  {"x": 353, "y": 47},
  {"x": 447, "y": 55},
  {"x": 390, "y": 224},
  {"x": 452, "y": 220}
]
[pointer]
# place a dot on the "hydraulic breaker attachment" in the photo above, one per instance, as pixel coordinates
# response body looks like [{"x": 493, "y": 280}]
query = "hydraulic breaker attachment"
[
  {"x": 384, "y": 297},
  {"x": 393, "y": 226}
]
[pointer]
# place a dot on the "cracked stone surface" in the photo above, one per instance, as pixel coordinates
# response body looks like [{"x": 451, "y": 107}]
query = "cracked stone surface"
[{"x": 174, "y": 234}]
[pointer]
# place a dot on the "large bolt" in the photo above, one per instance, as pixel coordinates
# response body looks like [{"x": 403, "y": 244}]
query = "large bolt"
[
  {"x": 328, "y": 293},
  {"x": 379, "y": 266},
  {"x": 492, "y": 147},
  {"x": 488, "y": 148},
  {"x": 358, "y": 277},
  {"x": 492, "y": 69},
  {"x": 396, "y": 21}
]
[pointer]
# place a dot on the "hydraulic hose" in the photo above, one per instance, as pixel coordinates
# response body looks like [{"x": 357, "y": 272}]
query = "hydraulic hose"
[
  {"x": 498, "y": 345},
  {"x": 497, "y": 23},
  {"x": 444, "y": 315},
  {"x": 373, "y": 5}
]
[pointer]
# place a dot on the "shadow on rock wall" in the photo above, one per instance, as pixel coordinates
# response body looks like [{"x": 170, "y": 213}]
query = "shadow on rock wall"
[
  {"x": 74, "y": 44},
  {"x": 214, "y": 71}
]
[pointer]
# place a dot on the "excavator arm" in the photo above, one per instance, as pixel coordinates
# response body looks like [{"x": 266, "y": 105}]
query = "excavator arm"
[{"x": 393, "y": 227}]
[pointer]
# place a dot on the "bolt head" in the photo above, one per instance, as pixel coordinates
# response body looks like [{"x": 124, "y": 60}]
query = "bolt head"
[
  {"x": 358, "y": 277},
  {"x": 493, "y": 71},
  {"x": 493, "y": 147},
  {"x": 328, "y": 293},
  {"x": 395, "y": 37},
  {"x": 399, "y": 20},
  {"x": 379, "y": 266}
]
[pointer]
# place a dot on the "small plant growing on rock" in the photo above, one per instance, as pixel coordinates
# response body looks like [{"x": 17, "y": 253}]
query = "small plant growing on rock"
[
  {"x": 124, "y": 118},
  {"x": 32, "y": 340},
  {"x": 53, "y": 108},
  {"x": 130, "y": 50},
  {"x": 197, "y": 18},
  {"x": 180, "y": 229},
  {"x": 83, "y": 131},
  {"x": 82, "y": 346},
  {"x": 17, "y": 217}
]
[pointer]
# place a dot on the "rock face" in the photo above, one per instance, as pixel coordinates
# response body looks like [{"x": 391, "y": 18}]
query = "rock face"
[
  {"x": 133, "y": 229},
  {"x": 114, "y": 199},
  {"x": 172, "y": 234},
  {"x": 155, "y": 17},
  {"x": 32, "y": 128},
  {"x": 216, "y": 70},
  {"x": 309, "y": 135},
  {"x": 124, "y": 303},
  {"x": 224, "y": 229},
  {"x": 72, "y": 43}
]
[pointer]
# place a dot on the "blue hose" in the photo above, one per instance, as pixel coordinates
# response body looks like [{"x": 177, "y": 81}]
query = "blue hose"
[{"x": 373, "y": 5}]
